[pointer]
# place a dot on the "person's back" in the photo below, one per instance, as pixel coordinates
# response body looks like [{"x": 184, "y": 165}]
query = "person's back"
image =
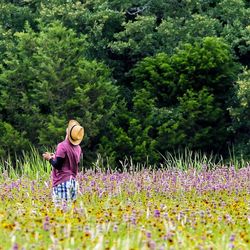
[{"x": 71, "y": 155}]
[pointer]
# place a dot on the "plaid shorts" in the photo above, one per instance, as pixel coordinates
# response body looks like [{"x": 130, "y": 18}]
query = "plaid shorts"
[{"x": 65, "y": 191}]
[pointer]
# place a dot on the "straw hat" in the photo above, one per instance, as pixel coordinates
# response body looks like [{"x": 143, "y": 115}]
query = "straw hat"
[{"x": 75, "y": 132}]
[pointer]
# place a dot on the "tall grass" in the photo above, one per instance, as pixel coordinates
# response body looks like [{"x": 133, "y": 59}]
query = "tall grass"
[
  {"x": 32, "y": 164},
  {"x": 180, "y": 159},
  {"x": 185, "y": 159},
  {"x": 238, "y": 161}
]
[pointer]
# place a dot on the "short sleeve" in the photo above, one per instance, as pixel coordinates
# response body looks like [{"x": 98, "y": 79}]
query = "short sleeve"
[{"x": 60, "y": 151}]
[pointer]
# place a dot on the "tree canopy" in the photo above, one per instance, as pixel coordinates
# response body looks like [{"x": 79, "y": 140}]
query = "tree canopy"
[{"x": 143, "y": 77}]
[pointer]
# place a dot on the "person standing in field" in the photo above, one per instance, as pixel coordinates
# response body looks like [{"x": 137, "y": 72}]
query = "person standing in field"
[{"x": 65, "y": 164}]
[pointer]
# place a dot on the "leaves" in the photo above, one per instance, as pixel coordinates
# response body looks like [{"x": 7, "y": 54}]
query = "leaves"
[
  {"x": 183, "y": 98},
  {"x": 130, "y": 71},
  {"x": 51, "y": 82}
]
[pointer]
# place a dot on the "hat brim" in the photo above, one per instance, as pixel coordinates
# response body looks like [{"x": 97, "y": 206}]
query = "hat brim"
[{"x": 71, "y": 124}]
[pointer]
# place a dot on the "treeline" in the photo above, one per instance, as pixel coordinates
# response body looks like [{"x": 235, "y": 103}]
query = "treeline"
[{"x": 143, "y": 77}]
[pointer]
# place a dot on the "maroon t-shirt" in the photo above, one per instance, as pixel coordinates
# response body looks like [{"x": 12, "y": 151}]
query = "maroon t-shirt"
[{"x": 71, "y": 155}]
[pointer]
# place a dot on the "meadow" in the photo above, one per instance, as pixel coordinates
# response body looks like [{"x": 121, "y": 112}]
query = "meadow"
[{"x": 197, "y": 207}]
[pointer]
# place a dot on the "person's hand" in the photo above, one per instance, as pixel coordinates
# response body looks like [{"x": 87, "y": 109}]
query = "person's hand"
[{"x": 47, "y": 156}]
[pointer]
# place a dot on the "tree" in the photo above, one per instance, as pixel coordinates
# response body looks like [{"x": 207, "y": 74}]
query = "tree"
[
  {"x": 50, "y": 81},
  {"x": 135, "y": 41},
  {"x": 5, "y": 40},
  {"x": 173, "y": 32},
  {"x": 11, "y": 140},
  {"x": 13, "y": 17},
  {"x": 92, "y": 18},
  {"x": 240, "y": 113},
  {"x": 234, "y": 16},
  {"x": 195, "y": 123},
  {"x": 188, "y": 94}
]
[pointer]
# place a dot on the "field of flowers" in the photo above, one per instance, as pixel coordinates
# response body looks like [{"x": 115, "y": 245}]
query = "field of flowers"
[{"x": 146, "y": 209}]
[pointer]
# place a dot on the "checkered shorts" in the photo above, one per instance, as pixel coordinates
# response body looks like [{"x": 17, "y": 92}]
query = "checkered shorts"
[{"x": 65, "y": 191}]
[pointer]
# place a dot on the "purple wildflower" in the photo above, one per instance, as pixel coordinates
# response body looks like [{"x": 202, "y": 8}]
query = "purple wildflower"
[
  {"x": 15, "y": 247},
  {"x": 157, "y": 213},
  {"x": 151, "y": 245},
  {"x": 148, "y": 234},
  {"x": 115, "y": 228},
  {"x": 232, "y": 237},
  {"x": 46, "y": 224}
]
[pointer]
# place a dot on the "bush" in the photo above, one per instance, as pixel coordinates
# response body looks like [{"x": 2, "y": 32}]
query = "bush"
[
  {"x": 11, "y": 140},
  {"x": 182, "y": 100}
]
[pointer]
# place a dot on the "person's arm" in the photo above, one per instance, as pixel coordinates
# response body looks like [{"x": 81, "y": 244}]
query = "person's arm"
[{"x": 57, "y": 162}]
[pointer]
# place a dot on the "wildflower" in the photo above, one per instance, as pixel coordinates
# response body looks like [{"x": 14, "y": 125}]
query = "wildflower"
[
  {"x": 148, "y": 234},
  {"x": 165, "y": 215},
  {"x": 115, "y": 228},
  {"x": 151, "y": 245},
  {"x": 202, "y": 213},
  {"x": 133, "y": 220},
  {"x": 232, "y": 237},
  {"x": 15, "y": 247},
  {"x": 46, "y": 224},
  {"x": 157, "y": 213},
  {"x": 228, "y": 218}
]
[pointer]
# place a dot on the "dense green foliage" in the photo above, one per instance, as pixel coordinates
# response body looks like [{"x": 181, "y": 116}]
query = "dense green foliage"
[
  {"x": 143, "y": 77},
  {"x": 240, "y": 114},
  {"x": 190, "y": 93}
]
